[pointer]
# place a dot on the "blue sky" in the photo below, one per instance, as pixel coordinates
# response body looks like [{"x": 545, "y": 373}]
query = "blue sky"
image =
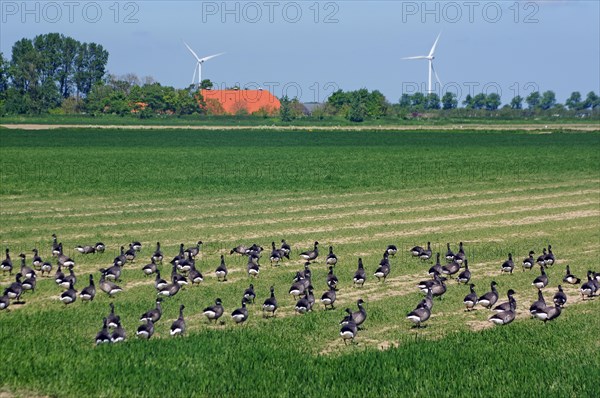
[{"x": 309, "y": 48}]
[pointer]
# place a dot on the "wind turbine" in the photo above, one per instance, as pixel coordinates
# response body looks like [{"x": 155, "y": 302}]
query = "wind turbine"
[
  {"x": 199, "y": 63},
  {"x": 430, "y": 58}
]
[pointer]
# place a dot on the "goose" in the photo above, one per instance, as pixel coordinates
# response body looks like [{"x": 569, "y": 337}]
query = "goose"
[
  {"x": 385, "y": 260},
  {"x": 37, "y": 260},
  {"x": 382, "y": 272},
  {"x": 46, "y": 268},
  {"x": 570, "y": 278},
  {"x": 157, "y": 256},
  {"x": 470, "y": 300},
  {"x": 504, "y": 317},
  {"x": 506, "y": 306},
  {"x": 529, "y": 261},
  {"x": 347, "y": 318},
  {"x": 195, "y": 250},
  {"x": 508, "y": 265},
  {"x": 63, "y": 259},
  {"x": 145, "y": 330},
  {"x": 306, "y": 273},
  {"x": 249, "y": 294},
  {"x": 112, "y": 319},
  {"x": 310, "y": 297},
  {"x": 179, "y": 257},
  {"x": 240, "y": 315},
  {"x": 298, "y": 286},
  {"x": 195, "y": 276},
  {"x": 549, "y": 313},
  {"x": 89, "y": 292},
  {"x": 460, "y": 256},
  {"x": 270, "y": 304},
  {"x": 253, "y": 258},
  {"x": 136, "y": 245},
  {"x": 360, "y": 276},
  {"x": 120, "y": 259},
  {"x": 154, "y": 314},
  {"x": 328, "y": 298},
  {"x": 438, "y": 289},
  {"x": 151, "y": 268},
  {"x": 178, "y": 326},
  {"x": 276, "y": 255},
  {"x": 113, "y": 273},
  {"x": 254, "y": 250},
  {"x": 419, "y": 315},
  {"x": 311, "y": 255},
  {"x": 214, "y": 312},
  {"x": 349, "y": 331},
  {"x": 416, "y": 251},
  {"x": 221, "y": 270},
  {"x": 29, "y": 284},
  {"x": 4, "y": 302},
  {"x": 549, "y": 259},
  {"x": 391, "y": 250},
  {"x": 55, "y": 246},
  {"x": 331, "y": 257},
  {"x": 185, "y": 265},
  {"x": 100, "y": 247},
  {"x": 451, "y": 268},
  {"x": 70, "y": 295},
  {"x": 59, "y": 275},
  {"x": 424, "y": 285},
  {"x": 490, "y": 298},
  {"x": 588, "y": 288},
  {"x": 560, "y": 298},
  {"x": 240, "y": 249},
  {"x": 26, "y": 271},
  {"x": 180, "y": 279},
  {"x": 85, "y": 249},
  {"x": 171, "y": 289},
  {"x": 542, "y": 280},
  {"x": 7, "y": 265},
  {"x": 437, "y": 267},
  {"x": 359, "y": 316},
  {"x": 103, "y": 336},
  {"x": 464, "y": 276},
  {"x": 253, "y": 269},
  {"x": 449, "y": 253},
  {"x": 541, "y": 260},
  {"x": 118, "y": 334},
  {"x": 15, "y": 289},
  {"x": 130, "y": 254},
  {"x": 286, "y": 248},
  {"x": 426, "y": 254},
  {"x": 159, "y": 283},
  {"x": 538, "y": 305},
  {"x": 303, "y": 305},
  {"x": 69, "y": 279},
  {"x": 109, "y": 287},
  {"x": 332, "y": 280},
  {"x": 428, "y": 300}
]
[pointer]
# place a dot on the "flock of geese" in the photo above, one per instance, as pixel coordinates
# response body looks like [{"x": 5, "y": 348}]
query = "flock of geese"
[{"x": 184, "y": 272}]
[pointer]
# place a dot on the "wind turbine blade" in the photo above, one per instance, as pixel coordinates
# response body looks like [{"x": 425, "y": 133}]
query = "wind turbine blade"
[
  {"x": 192, "y": 51},
  {"x": 418, "y": 57},
  {"x": 434, "y": 45},
  {"x": 209, "y": 57},
  {"x": 194, "y": 77},
  {"x": 436, "y": 76}
]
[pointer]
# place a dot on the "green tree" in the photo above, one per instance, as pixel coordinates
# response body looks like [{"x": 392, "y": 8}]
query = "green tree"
[
  {"x": 468, "y": 102},
  {"x": 418, "y": 101},
  {"x": 533, "y": 100},
  {"x": 479, "y": 101},
  {"x": 206, "y": 84},
  {"x": 3, "y": 76},
  {"x": 285, "y": 110},
  {"x": 517, "y": 102},
  {"x": 449, "y": 101},
  {"x": 432, "y": 101},
  {"x": 357, "y": 112},
  {"x": 574, "y": 101},
  {"x": 492, "y": 102},
  {"x": 68, "y": 53},
  {"x": 592, "y": 101},
  {"x": 89, "y": 67},
  {"x": 405, "y": 101},
  {"x": 548, "y": 100}
]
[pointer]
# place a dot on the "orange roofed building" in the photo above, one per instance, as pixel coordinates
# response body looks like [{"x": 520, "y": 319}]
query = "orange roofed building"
[{"x": 233, "y": 102}]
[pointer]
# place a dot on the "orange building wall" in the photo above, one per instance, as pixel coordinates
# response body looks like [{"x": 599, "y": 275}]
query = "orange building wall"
[{"x": 232, "y": 101}]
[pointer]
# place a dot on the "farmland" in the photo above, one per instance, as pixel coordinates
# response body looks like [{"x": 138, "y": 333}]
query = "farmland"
[{"x": 497, "y": 191}]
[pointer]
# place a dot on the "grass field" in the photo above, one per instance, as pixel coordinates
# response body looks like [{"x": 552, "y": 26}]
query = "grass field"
[{"x": 498, "y": 192}]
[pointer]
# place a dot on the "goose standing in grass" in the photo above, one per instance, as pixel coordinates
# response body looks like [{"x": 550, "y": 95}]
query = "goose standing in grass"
[
  {"x": 419, "y": 315},
  {"x": 328, "y": 298},
  {"x": 180, "y": 279},
  {"x": 505, "y": 317},
  {"x": 214, "y": 312},
  {"x": 360, "y": 316},
  {"x": 465, "y": 275},
  {"x": 46, "y": 268},
  {"x": 194, "y": 275},
  {"x": 118, "y": 334},
  {"x": 249, "y": 294},
  {"x": 541, "y": 260},
  {"x": 157, "y": 256},
  {"x": 549, "y": 313},
  {"x": 303, "y": 305},
  {"x": 179, "y": 257},
  {"x": 426, "y": 254},
  {"x": 428, "y": 300},
  {"x": 430, "y": 283},
  {"x": 528, "y": 262},
  {"x": 541, "y": 281},
  {"x": 154, "y": 314},
  {"x": 349, "y": 331},
  {"x": 194, "y": 250},
  {"x": 460, "y": 256},
  {"x": 113, "y": 320},
  {"x": 276, "y": 255},
  {"x": 171, "y": 289},
  {"x": 298, "y": 286},
  {"x": 451, "y": 268},
  {"x": 59, "y": 275},
  {"x": 87, "y": 249},
  {"x": 109, "y": 287},
  {"x": 391, "y": 250},
  {"x": 332, "y": 280},
  {"x": 120, "y": 259},
  {"x": 69, "y": 279},
  {"x": 538, "y": 305},
  {"x": 89, "y": 292},
  {"x": 15, "y": 289},
  {"x": 240, "y": 315},
  {"x": 239, "y": 249},
  {"x": 306, "y": 273},
  {"x": 145, "y": 330},
  {"x": 63, "y": 259},
  {"x": 178, "y": 326},
  {"x": 100, "y": 247},
  {"x": 37, "y": 261},
  {"x": 252, "y": 269},
  {"x": 113, "y": 273},
  {"x": 29, "y": 284},
  {"x": 416, "y": 251},
  {"x": 490, "y": 298},
  {"x": 384, "y": 268},
  {"x": 55, "y": 246},
  {"x": 136, "y": 245},
  {"x": 270, "y": 304},
  {"x": 589, "y": 288},
  {"x": 570, "y": 278},
  {"x": 506, "y": 306},
  {"x": 437, "y": 267},
  {"x": 549, "y": 259},
  {"x": 185, "y": 265},
  {"x": 151, "y": 268},
  {"x": 508, "y": 265},
  {"x": 131, "y": 253},
  {"x": 331, "y": 257},
  {"x": 311, "y": 255},
  {"x": 7, "y": 265},
  {"x": 70, "y": 295},
  {"x": 449, "y": 253},
  {"x": 360, "y": 276},
  {"x": 470, "y": 300},
  {"x": 103, "y": 336},
  {"x": 221, "y": 271},
  {"x": 26, "y": 271},
  {"x": 4, "y": 302},
  {"x": 159, "y": 282},
  {"x": 560, "y": 298},
  {"x": 286, "y": 248}
]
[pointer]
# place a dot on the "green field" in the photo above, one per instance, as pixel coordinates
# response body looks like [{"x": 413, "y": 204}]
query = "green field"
[{"x": 498, "y": 192}]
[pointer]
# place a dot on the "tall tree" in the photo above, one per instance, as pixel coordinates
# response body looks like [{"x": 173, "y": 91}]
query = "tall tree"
[
  {"x": 3, "y": 76},
  {"x": 574, "y": 101},
  {"x": 592, "y": 101},
  {"x": 533, "y": 100},
  {"x": 432, "y": 101},
  {"x": 548, "y": 100},
  {"x": 517, "y": 102},
  {"x": 449, "y": 100},
  {"x": 405, "y": 101},
  {"x": 492, "y": 101},
  {"x": 90, "y": 64},
  {"x": 68, "y": 52}
]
